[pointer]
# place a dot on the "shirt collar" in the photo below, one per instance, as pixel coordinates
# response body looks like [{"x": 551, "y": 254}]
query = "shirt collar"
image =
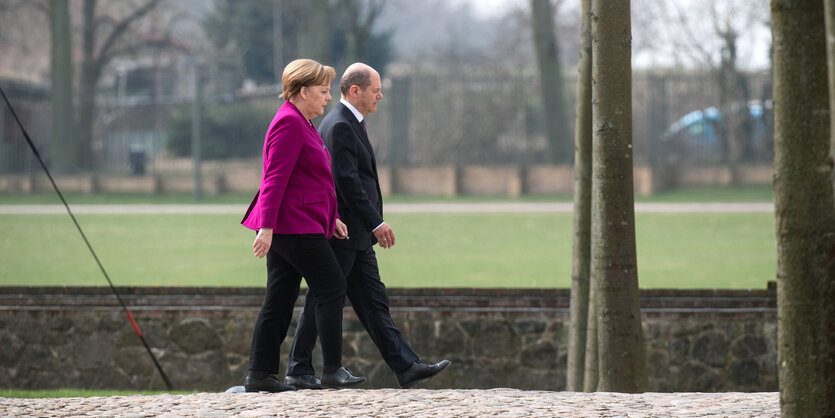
[{"x": 353, "y": 110}]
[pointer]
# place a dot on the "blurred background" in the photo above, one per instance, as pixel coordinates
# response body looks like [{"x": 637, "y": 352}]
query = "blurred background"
[{"x": 164, "y": 93}]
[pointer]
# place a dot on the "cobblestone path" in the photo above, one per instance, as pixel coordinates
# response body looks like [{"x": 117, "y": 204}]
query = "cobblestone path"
[{"x": 406, "y": 403}]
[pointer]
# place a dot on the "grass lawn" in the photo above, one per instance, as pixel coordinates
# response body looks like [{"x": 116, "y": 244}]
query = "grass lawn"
[{"x": 433, "y": 250}]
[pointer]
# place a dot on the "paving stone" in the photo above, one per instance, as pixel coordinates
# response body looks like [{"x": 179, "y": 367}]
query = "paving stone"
[{"x": 406, "y": 403}]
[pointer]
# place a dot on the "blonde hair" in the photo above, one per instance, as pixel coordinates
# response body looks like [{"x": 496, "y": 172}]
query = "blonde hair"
[{"x": 304, "y": 72}]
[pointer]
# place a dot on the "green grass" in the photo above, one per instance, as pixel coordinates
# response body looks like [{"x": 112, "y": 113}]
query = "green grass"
[
  {"x": 75, "y": 393},
  {"x": 433, "y": 250}
]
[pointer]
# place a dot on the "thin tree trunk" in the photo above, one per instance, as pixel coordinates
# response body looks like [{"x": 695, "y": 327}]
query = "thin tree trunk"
[
  {"x": 613, "y": 257},
  {"x": 278, "y": 42},
  {"x": 804, "y": 215},
  {"x": 550, "y": 76},
  {"x": 64, "y": 153},
  {"x": 592, "y": 369},
  {"x": 582, "y": 212},
  {"x": 87, "y": 85}
]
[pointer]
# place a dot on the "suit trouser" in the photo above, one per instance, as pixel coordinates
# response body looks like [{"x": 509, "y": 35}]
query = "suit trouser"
[
  {"x": 290, "y": 257},
  {"x": 370, "y": 301}
]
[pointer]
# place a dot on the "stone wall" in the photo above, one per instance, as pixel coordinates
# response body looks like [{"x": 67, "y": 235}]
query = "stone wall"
[{"x": 80, "y": 338}]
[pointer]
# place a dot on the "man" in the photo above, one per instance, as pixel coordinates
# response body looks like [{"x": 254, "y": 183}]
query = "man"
[{"x": 360, "y": 206}]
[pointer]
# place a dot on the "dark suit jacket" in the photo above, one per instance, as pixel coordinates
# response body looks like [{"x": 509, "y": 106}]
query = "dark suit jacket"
[{"x": 359, "y": 201}]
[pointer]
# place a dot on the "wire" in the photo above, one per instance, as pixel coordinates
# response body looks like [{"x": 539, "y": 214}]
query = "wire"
[{"x": 86, "y": 241}]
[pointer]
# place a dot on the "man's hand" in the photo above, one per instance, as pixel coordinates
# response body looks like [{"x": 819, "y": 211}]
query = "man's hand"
[
  {"x": 262, "y": 243},
  {"x": 341, "y": 231},
  {"x": 384, "y": 235}
]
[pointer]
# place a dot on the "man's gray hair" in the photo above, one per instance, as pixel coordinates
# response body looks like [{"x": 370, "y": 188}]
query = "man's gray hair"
[{"x": 359, "y": 76}]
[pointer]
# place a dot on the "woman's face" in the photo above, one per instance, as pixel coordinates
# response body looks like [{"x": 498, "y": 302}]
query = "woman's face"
[{"x": 316, "y": 98}]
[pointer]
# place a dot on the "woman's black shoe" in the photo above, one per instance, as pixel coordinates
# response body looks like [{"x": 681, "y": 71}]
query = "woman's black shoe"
[{"x": 267, "y": 384}]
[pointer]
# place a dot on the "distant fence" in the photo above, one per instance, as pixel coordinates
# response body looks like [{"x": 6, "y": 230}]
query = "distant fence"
[
  {"x": 461, "y": 119},
  {"x": 449, "y": 180}
]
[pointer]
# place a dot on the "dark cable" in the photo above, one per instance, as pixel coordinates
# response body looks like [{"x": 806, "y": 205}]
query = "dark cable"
[{"x": 90, "y": 247}]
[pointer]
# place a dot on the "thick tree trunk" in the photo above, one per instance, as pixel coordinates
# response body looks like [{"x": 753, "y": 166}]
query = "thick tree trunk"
[
  {"x": 582, "y": 212},
  {"x": 804, "y": 215},
  {"x": 614, "y": 266},
  {"x": 829, "y": 280},
  {"x": 64, "y": 153},
  {"x": 550, "y": 76}
]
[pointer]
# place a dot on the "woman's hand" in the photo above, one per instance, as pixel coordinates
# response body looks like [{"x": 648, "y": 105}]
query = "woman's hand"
[
  {"x": 341, "y": 230},
  {"x": 262, "y": 242}
]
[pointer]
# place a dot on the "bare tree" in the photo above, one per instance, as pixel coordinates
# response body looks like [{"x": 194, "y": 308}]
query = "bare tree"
[
  {"x": 361, "y": 17},
  {"x": 622, "y": 358},
  {"x": 804, "y": 216},
  {"x": 550, "y": 78},
  {"x": 582, "y": 211},
  {"x": 101, "y": 36}
]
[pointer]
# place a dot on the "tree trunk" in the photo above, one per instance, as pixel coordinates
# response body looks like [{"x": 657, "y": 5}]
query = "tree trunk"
[
  {"x": 803, "y": 204},
  {"x": 63, "y": 154},
  {"x": 582, "y": 212},
  {"x": 592, "y": 369},
  {"x": 278, "y": 43},
  {"x": 315, "y": 43},
  {"x": 92, "y": 65},
  {"x": 550, "y": 78},
  {"x": 87, "y": 86},
  {"x": 613, "y": 257},
  {"x": 829, "y": 280}
]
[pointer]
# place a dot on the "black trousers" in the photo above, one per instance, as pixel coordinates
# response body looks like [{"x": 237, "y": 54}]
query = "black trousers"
[
  {"x": 370, "y": 301},
  {"x": 291, "y": 257}
]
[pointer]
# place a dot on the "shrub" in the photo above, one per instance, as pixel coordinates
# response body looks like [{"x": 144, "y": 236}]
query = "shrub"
[{"x": 227, "y": 131}]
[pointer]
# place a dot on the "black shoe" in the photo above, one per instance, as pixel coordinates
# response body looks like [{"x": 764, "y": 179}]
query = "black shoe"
[
  {"x": 267, "y": 384},
  {"x": 342, "y": 378},
  {"x": 307, "y": 381},
  {"x": 420, "y": 372}
]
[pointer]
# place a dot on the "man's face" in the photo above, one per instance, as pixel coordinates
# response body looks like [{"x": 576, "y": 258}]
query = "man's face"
[{"x": 367, "y": 99}]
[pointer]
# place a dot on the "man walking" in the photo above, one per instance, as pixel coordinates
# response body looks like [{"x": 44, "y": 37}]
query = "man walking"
[{"x": 360, "y": 206}]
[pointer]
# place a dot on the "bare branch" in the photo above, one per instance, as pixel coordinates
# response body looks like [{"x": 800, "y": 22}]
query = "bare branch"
[{"x": 104, "y": 53}]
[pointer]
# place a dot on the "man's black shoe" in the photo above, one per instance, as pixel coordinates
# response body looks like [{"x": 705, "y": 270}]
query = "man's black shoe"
[
  {"x": 267, "y": 384},
  {"x": 420, "y": 372},
  {"x": 307, "y": 381},
  {"x": 342, "y": 378}
]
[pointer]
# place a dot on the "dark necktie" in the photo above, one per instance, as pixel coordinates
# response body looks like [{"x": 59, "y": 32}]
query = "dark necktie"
[{"x": 364, "y": 127}]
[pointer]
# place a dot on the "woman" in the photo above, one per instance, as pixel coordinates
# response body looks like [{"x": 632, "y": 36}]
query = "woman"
[{"x": 294, "y": 213}]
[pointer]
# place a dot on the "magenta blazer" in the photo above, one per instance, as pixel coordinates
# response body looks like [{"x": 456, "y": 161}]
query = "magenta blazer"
[{"x": 297, "y": 194}]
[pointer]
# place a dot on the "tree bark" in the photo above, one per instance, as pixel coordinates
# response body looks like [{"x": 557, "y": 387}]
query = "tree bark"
[
  {"x": 804, "y": 216},
  {"x": 63, "y": 154},
  {"x": 613, "y": 257},
  {"x": 592, "y": 368},
  {"x": 582, "y": 212},
  {"x": 550, "y": 78}
]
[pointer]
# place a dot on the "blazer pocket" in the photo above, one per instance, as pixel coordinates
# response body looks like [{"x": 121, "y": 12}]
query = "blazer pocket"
[{"x": 317, "y": 197}]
